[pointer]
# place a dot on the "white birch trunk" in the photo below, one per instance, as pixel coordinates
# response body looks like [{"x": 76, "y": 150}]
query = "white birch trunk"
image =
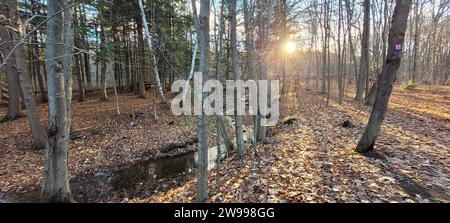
[
  {"x": 194, "y": 51},
  {"x": 150, "y": 46},
  {"x": 191, "y": 72}
]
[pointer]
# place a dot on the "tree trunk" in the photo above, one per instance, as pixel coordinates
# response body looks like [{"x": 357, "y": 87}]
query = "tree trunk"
[
  {"x": 416, "y": 40},
  {"x": 265, "y": 22},
  {"x": 350, "y": 41},
  {"x": 37, "y": 133},
  {"x": 324, "y": 48},
  {"x": 327, "y": 40},
  {"x": 250, "y": 60},
  {"x": 387, "y": 76},
  {"x": 236, "y": 76},
  {"x": 370, "y": 98},
  {"x": 39, "y": 77},
  {"x": 103, "y": 46},
  {"x": 87, "y": 71},
  {"x": 220, "y": 125},
  {"x": 202, "y": 170},
  {"x": 127, "y": 57},
  {"x": 116, "y": 95},
  {"x": 194, "y": 50},
  {"x": 152, "y": 52},
  {"x": 56, "y": 173},
  {"x": 249, "y": 42},
  {"x": 141, "y": 54},
  {"x": 13, "y": 110},
  {"x": 340, "y": 59},
  {"x": 103, "y": 85},
  {"x": 80, "y": 80},
  {"x": 364, "y": 63}
]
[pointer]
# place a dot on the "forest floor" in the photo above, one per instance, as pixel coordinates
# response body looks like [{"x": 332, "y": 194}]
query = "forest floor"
[{"x": 309, "y": 160}]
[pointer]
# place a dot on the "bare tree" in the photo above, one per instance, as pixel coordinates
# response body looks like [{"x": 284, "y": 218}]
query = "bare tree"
[
  {"x": 265, "y": 16},
  {"x": 103, "y": 47},
  {"x": 340, "y": 55},
  {"x": 150, "y": 44},
  {"x": 350, "y": 41},
  {"x": 68, "y": 40},
  {"x": 236, "y": 76},
  {"x": 13, "y": 110},
  {"x": 387, "y": 76},
  {"x": 141, "y": 56},
  {"x": 56, "y": 172},
  {"x": 364, "y": 63},
  {"x": 250, "y": 58},
  {"x": 37, "y": 133},
  {"x": 202, "y": 170},
  {"x": 78, "y": 69},
  {"x": 417, "y": 13},
  {"x": 194, "y": 50}
]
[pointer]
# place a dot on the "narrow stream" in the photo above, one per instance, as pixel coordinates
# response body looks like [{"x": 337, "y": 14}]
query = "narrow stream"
[
  {"x": 152, "y": 170},
  {"x": 155, "y": 169}
]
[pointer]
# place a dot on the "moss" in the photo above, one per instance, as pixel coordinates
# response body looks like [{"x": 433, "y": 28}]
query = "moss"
[{"x": 410, "y": 85}]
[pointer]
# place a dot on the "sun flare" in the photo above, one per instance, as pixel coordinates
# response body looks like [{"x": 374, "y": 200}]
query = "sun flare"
[{"x": 289, "y": 47}]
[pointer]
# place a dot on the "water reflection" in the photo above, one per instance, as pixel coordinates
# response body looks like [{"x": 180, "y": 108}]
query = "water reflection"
[{"x": 155, "y": 169}]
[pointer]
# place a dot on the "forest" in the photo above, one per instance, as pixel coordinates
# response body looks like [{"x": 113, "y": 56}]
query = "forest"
[{"x": 357, "y": 92}]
